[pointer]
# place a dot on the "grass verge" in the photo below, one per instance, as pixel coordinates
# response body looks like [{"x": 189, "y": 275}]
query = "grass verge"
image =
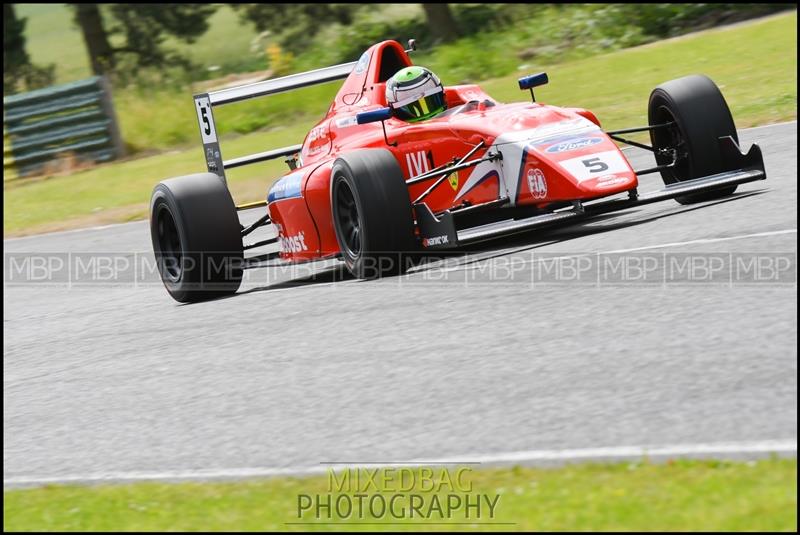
[
  {"x": 638, "y": 496},
  {"x": 755, "y": 64}
]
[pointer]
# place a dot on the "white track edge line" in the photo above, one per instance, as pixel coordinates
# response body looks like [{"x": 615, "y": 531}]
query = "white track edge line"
[
  {"x": 472, "y": 263},
  {"x": 781, "y": 446}
]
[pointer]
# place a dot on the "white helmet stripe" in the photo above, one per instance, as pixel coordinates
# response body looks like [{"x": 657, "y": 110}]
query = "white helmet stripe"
[{"x": 427, "y": 93}]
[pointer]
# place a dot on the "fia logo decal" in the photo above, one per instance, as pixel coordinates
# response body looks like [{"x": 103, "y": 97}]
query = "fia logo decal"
[{"x": 537, "y": 183}]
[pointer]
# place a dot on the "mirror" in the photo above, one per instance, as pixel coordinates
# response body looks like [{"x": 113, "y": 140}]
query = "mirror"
[
  {"x": 381, "y": 114},
  {"x": 533, "y": 80}
]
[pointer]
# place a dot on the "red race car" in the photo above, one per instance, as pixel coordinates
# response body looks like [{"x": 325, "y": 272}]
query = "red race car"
[{"x": 400, "y": 165}]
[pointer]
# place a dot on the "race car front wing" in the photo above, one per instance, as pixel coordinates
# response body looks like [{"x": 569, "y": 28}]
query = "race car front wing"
[{"x": 445, "y": 230}]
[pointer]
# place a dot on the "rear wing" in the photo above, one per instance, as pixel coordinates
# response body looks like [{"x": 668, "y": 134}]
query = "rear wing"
[{"x": 205, "y": 102}]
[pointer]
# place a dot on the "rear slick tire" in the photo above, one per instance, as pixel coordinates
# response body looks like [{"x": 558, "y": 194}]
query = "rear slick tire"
[{"x": 196, "y": 237}]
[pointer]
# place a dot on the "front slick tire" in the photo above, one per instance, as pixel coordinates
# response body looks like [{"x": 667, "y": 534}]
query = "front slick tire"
[
  {"x": 372, "y": 214},
  {"x": 701, "y": 116},
  {"x": 196, "y": 237}
]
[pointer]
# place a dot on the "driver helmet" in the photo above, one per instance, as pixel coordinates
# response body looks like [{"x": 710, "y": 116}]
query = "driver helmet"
[{"x": 415, "y": 94}]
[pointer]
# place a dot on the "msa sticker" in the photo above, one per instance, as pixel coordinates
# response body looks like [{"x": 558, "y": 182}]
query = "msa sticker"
[
  {"x": 345, "y": 122},
  {"x": 596, "y": 165},
  {"x": 361, "y": 66},
  {"x": 286, "y": 188},
  {"x": 206, "y": 120},
  {"x": 417, "y": 163},
  {"x": 537, "y": 183},
  {"x": 211, "y": 159},
  {"x": 573, "y": 144}
]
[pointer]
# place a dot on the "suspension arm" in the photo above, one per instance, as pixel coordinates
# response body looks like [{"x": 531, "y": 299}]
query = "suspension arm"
[
  {"x": 615, "y": 135},
  {"x": 461, "y": 164}
]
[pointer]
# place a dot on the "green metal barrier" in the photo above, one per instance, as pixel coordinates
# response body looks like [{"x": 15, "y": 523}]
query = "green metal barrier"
[{"x": 75, "y": 119}]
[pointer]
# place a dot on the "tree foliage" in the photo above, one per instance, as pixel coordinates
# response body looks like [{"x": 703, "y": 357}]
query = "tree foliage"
[
  {"x": 142, "y": 30},
  {"x": 14, "y": 54},
  {"x": 441, "y": 22},
  {"x": 95, "y": 36},
  {"x": 18, "y": 71},
  {"x": 297, "y": 24},
  {"x": 145, "y": 27}
]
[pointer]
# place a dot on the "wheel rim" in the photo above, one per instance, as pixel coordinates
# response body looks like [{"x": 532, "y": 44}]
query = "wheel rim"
[
  {"x": 347, "y": 219},
  {"x": 169, "y": 245},
  {"x": 671, "y": 138}
]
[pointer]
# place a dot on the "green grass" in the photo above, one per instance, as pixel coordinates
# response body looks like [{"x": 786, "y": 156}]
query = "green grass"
[
  {"x": 120, "y": 191},
  {"x": 754, "y": 64},
  {"x": 165, "y": 118},
  {"x": 640, "y": 496},
  {"x": 170, "y": 117}
]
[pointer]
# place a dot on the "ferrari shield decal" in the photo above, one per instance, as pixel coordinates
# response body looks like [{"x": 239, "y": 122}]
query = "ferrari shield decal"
[{"x": 453, "y": 179}]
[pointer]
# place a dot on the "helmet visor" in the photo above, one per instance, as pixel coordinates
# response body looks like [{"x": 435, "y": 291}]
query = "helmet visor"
[{"x": 423, "y": 108}]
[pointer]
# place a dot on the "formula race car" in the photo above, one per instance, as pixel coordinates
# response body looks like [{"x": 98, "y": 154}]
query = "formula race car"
[{"x": 377, "y": 186}]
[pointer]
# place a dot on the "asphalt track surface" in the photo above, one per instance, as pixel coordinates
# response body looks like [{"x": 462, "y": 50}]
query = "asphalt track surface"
[{"x": 479, "y": 354}]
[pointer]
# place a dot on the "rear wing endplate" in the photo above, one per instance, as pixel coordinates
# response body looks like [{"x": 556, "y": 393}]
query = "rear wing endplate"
[{"x": 205, "y": 102}]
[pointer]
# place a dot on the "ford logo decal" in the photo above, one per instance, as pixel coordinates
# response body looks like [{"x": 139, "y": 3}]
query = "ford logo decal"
[{"x": 574, "y": 144}]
